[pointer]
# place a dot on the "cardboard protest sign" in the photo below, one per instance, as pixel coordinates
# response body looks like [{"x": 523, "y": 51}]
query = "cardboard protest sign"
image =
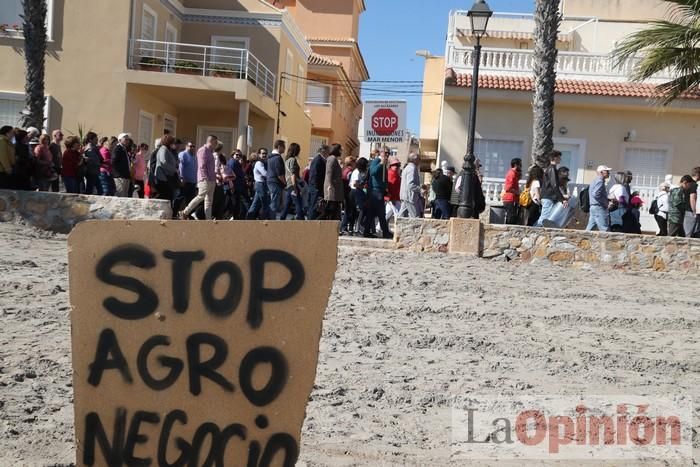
[{"x": 196, "y": 343}]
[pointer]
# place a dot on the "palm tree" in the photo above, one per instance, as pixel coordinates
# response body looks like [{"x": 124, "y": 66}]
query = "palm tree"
[
  {"x": 34, "y": 18},
  {"x": 547, "y": 21},
  {"x": 671, "y": 45}
]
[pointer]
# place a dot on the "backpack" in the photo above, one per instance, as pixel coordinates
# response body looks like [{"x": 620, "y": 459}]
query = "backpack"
[
  {"x": 525, "y": 198},
  {"x": 654, "y": 208},
  {"x": 152, "y": 162},
  {"x": 584, "y": 201}
]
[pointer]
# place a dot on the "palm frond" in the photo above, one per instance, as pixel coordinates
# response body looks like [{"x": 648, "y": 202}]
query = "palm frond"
[{"x": 671, "y": 46}]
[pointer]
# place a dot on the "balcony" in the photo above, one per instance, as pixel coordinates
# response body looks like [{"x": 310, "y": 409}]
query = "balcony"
[
  {"x": 201, "y": 60},
  {"x": 570, "y": 65}
]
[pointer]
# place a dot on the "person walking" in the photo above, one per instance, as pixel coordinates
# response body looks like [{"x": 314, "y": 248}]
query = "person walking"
[
  {"x": 678, "y": 205},
  {"x": 550, "y": 192},
  {"x": 410, "y": 188},
  {"x": 166, "y": 176},
  {"x": 534, "y": 187},
  {"x": 46, "y": 172},
  {"x": 70, "y": 163},
  {"x": 599, "y": 217},
  {"x": 442, "y": 187},
  {"x": 620, "y": 197},
  {"x": 349, "y": 209},
  {"x": 93, "y": 162},
  {"x": 106, "y": 179},
  {"x": 276, "y": 177},
  {"x": 56, "y": 158},
  {"x": 259, "y": 208},
  {"x": 187, "y": 169},
  {"x": 239, "y": 190},
  {"x": 7, "y": 157},
  {"x": 358, "y": 192},
  {"x": 393, "y": 189},
  {"x": 377, "y": 184},
  {"x": 293, "y": 177},
  {"x": 511, "y": 192},
  {"x": 661, "y": 211},
  {"x": 206, "y": 180},
  {"x": 139, "y": 169},
  {"x": 121, "y": 172},
  {"x": 317, "y": 178},
  {"x": 333, "y": 192},
  {"x": 693, "y": 215}
]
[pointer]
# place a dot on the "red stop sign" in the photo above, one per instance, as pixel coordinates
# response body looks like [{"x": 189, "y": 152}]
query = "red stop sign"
[{"x": 385, "y": 122}]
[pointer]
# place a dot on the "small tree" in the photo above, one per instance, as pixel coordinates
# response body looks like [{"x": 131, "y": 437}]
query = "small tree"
[
  {"x": 547, "y": 21},
  {"x": 672, "y": 45},
  {"x": 34, "y": 18}
]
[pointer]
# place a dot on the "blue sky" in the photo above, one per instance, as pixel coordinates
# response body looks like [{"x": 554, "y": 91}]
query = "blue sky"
[{"x": 391, "y": 31}]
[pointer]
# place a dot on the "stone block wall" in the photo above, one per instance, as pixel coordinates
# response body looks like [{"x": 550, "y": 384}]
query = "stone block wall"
[
  {"x": 592, "y": 250},
  {"x": 422, "y": 235},
  {"x": 60, "y": 212},
  {"x": 568, "y": 248}
]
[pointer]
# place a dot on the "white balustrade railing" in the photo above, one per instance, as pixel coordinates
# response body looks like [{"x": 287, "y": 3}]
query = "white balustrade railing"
[
  {"x": 519, "y": 62},
  {"x": 203, "y": 60}
]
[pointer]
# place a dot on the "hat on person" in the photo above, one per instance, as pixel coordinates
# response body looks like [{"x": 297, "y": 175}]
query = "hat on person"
[
  {"x": 451, "y": 168},
  {"x": 602, "y": 168},
  {"x": 393, "y": 160},
  {"x": 123, "y": 135}
]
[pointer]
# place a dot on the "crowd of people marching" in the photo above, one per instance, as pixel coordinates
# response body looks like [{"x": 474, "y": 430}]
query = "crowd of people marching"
[{"x": 363, "y": 193}]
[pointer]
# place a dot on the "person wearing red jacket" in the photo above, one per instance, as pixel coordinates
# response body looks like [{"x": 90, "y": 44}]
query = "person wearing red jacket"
[
  {"x": 511, "y": 192},
  {"x": 393, "y": 194},
  {"x": 72, "y": 162}
]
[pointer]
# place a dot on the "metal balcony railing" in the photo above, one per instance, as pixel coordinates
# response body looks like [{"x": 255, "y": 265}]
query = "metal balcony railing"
[
  {"x": 202, "y": 60},
  {"x": 572, "y": 65}
]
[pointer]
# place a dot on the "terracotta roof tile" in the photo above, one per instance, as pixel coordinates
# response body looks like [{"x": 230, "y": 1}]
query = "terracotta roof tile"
[
  {"x": 515, "y": 35},
  {"x": 564, "y": 86},
  {"x": 317, "y": 59},
  {"x": 332, "y": 39}
]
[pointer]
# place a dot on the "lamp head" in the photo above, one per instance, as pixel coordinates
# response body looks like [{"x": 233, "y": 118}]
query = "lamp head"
[{"x": 479, "y": 15}]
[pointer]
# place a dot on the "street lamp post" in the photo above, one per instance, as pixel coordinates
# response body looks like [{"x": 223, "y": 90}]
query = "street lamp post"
[{"x": 479, "y": 16}]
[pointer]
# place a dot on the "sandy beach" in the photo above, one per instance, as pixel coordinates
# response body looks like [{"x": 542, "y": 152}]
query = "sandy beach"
[{"x": 403, "y": 333}]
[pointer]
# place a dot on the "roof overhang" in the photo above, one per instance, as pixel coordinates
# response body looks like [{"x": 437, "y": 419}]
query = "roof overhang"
[{"x": 343, "y": 43}]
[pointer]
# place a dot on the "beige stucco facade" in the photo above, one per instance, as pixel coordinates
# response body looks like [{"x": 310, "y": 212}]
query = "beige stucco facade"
[
  {"x": 96, "y": 78},
  {"x": 600, "y": 117},
  {"x": 332, "y": 29}
]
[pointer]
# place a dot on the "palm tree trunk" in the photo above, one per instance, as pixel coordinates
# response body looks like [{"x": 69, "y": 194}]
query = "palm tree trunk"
[
  {"x": 34, "y": 17},
  {"x": 547, "y": 21}
]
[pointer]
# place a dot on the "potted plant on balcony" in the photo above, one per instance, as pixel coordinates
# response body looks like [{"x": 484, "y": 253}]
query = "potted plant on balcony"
[
  {"x": 185, "y": 67},
  {"x": 151, "y": 64},
  {"x": 223, "y": 71}
]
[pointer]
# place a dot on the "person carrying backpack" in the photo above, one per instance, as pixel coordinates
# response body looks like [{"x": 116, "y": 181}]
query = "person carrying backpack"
[
  {"x": 599, "y": 217},
  {"x": 551, "y": 194}
]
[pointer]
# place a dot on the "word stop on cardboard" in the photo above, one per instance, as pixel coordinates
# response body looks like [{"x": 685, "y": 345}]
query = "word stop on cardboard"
[{"x": 196, "y": 343}]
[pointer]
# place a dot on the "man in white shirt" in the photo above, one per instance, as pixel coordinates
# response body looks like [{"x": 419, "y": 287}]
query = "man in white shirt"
[{"x": 259, "y": 208}]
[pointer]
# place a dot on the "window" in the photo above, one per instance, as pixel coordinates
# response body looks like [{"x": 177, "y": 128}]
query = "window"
[
  {"x": 234, "y": 59},
  {"x": 145, "y": 134},
  {"x": 300, "y": 85},
  {"x": 289, "y": 69},
  {"x": 11, "y": 106},
  {"x": 317, "y": 142},
  {"x": 319, "y": 94},
  {"x": 496, "y": 154},
  {"x": 149, "y": 24},
  {"x": 11, "y": 17},
  {"x": 649, "y": 165}
]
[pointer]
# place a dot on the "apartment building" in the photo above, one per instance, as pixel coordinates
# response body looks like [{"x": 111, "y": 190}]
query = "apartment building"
[
  {"x": 600, "y": 117},
  {"x": 196, "y": 67},
  {"x": 336, "y": 68}
]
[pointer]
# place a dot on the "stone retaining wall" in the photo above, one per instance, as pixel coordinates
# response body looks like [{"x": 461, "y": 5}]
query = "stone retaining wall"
[
  {"x": 60, "y": 212},
  {"x": 568, "y": 248},
  {"x": 587, "y": 250}
]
